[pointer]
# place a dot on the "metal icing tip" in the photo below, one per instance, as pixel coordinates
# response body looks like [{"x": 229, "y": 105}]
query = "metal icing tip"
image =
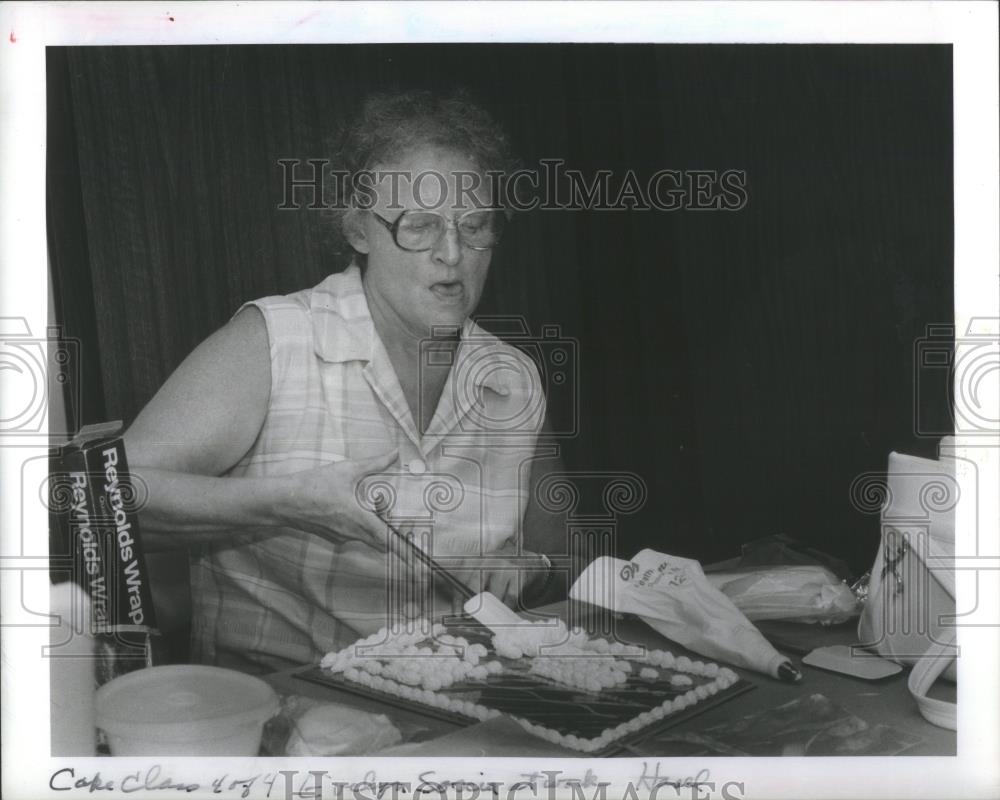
[{"x": 788, "y": 672}]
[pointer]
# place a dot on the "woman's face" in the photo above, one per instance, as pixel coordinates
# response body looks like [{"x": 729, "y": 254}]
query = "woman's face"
[{"x": 439, "y": 286}]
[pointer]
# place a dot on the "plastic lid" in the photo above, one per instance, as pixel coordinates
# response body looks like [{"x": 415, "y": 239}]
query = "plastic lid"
[{"x": 183, "y": 701}]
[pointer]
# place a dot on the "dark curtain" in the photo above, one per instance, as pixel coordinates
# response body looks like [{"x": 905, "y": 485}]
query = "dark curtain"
[{"x": 746, "y": 364}]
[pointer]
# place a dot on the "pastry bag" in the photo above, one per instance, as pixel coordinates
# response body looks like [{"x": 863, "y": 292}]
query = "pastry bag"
[{"x": 673, "y": 596}]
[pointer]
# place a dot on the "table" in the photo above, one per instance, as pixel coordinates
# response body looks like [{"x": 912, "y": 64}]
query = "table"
[{"x": 886, "y": 701}]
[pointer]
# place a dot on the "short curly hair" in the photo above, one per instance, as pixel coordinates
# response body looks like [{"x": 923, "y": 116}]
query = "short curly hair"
[{"x": 388, "y": 126}]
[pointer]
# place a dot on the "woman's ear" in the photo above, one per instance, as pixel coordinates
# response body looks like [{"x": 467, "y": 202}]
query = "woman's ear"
[{"x": 354, "y": 231}]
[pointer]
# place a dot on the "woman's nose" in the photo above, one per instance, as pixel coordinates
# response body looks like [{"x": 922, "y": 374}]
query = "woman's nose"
[{"x": 448, "y": 249}]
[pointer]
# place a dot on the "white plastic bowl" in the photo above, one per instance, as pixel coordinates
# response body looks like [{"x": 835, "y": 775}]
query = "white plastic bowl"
[{"x": 185, "y": 710}]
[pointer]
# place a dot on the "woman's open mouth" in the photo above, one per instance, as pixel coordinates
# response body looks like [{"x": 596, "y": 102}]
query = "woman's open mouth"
[{"x": 448, "y": 291}]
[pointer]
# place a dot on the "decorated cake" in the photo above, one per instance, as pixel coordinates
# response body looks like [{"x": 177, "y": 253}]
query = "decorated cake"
[{"x": 541, "y": 674}]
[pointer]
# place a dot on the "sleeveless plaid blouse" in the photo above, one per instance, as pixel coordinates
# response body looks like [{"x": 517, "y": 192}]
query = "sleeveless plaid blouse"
[{"x": 262, "y": 603}]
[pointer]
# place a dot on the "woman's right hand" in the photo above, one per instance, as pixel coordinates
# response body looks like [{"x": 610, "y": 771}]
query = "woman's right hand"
[{"x": 325, "y": 501}]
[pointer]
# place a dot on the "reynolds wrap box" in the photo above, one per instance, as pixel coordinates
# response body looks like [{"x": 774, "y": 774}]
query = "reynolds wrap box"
[{"x": 102, "y": 531}]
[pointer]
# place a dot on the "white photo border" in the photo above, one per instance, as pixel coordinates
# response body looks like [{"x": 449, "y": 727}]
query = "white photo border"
[{"x": 971, "y": 27}]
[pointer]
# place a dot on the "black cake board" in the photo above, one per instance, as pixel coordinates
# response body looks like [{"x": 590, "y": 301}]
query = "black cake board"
[{"x": 543, "y": 702}]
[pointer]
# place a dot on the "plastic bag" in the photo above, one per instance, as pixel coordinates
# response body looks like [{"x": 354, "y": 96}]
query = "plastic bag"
[
  {"x": 794, "y": 594},
  {"x": 308, "y": 727},
  {"x": 779, "y": 550}
]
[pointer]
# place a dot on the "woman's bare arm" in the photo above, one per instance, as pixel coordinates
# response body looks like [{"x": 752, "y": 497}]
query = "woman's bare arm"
[
  {"x": 203, "y": 421},
  {"x": 545, "y": 531},
  {"x": 210, "y": 410}
]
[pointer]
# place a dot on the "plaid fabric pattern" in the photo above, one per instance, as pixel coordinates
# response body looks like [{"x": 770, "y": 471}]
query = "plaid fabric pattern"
[{"x": 267, "y": 602}]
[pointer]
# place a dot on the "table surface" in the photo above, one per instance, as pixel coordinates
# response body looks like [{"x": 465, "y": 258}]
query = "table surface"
[{"x": 886, "y": 701}]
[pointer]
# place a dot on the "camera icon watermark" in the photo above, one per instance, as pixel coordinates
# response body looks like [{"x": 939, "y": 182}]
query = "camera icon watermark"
[
  {"x": 31, "y": 368},
  {"x": 960, "y": 374},
  {"x": 525, "y": 372}
]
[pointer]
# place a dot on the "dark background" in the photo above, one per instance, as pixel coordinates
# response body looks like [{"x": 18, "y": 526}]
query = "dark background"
[{"x": 747, "y": 365}]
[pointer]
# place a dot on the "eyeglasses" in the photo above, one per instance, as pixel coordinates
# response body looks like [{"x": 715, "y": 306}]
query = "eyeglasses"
[{"x": 478, "y": 228}]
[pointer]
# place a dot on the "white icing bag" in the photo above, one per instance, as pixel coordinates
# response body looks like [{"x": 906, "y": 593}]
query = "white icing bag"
[{"x": 673, "y": 596}]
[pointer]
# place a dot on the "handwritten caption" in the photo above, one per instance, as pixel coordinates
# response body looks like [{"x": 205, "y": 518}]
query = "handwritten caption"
[{"x": 651, "y": 784}]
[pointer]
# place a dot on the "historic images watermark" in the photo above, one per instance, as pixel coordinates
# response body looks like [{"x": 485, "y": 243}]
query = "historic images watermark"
[
  {"x": 552, "y": 186},
  {"x": 964, "y": 368},
  {"x": 31, "y": 368}
]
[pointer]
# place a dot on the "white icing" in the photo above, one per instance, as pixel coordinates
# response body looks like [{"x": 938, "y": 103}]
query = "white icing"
[{"x": 409, "y": 665}]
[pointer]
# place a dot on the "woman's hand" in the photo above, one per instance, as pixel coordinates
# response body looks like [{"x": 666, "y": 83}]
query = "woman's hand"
[{"x": 324, "y": 501}]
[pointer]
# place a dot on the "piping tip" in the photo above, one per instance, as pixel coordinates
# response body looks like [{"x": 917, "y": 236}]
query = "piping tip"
[{"x": 787, "y": 672}]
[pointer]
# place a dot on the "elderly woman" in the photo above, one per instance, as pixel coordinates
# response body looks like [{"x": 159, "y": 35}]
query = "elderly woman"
[{"x": 286, "y": 441}]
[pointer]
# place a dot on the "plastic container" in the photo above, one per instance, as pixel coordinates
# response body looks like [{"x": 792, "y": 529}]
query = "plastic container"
[
  {"x": 185, "y": 710},
  {"x": 71, "y": 673}
]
